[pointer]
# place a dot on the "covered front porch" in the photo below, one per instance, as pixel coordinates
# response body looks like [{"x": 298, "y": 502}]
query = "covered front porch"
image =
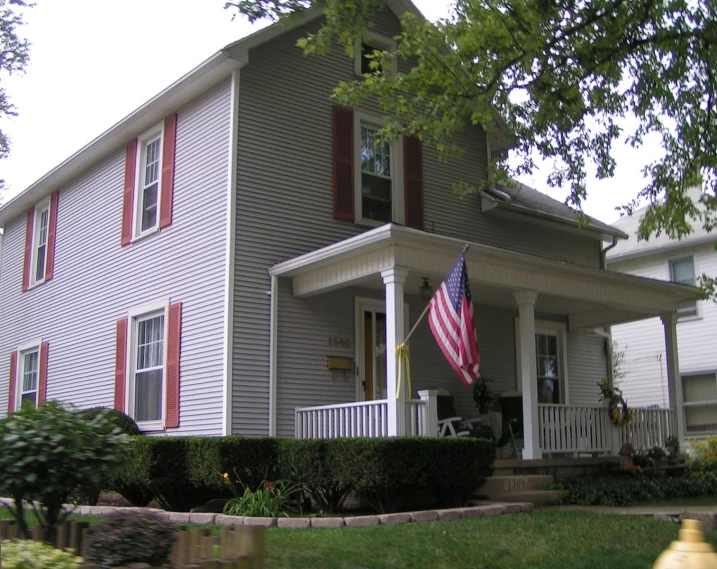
[{"x": 547, "y": 306}]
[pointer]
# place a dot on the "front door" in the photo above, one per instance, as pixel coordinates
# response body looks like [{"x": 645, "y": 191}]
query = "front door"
[{"x": 372, "y": 374}]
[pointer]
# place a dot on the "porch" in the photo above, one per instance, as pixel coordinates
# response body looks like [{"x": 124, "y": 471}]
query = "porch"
[{"x": 545, "y": 304}]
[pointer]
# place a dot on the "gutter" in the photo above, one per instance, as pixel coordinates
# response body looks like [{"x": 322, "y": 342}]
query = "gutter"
[{"x": 603, "y": 256}]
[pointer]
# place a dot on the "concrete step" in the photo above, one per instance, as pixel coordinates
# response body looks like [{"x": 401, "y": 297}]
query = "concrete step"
[
  {"x": 535, "y": 497},
  {"x": 512, "y": 484}
]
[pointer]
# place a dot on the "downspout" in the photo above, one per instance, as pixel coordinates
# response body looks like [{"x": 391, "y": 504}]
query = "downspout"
[
  {"x": 603, "y": 255},
  {"x": 273, "y": 338}
]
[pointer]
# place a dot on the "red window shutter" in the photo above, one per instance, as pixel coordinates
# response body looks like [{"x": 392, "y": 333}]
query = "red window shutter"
[
  {"x": 121, "y": 364},
  {"x": 413, "y": 182},
  {"x": 42, "y": 382},
  {"x": 167, "y": 182},
  {"x": 28, "y": 249},
  {"x": 130, "y": 167},
  {"x": 343, "y": 166},
  {"x": 52, "y": 237},
  {"x": 13, "y": 383},
  {"x": 174, "y": 344}
]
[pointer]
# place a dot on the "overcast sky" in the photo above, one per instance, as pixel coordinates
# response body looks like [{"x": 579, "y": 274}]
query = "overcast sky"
[{"x": 92, "y": 62}]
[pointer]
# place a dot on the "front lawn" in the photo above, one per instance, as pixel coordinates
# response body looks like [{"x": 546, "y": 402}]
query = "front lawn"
[{"x": 544, "y": 539}]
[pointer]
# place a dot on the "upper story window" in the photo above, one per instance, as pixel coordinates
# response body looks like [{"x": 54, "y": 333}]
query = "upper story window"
[
  {"x": 683, "y": 271},
  {"x": 40, "y": 240},
  {"x": 374, "y": 181},
  {"x": 380, "y": 197},
  {"x": 364, "y": 49},
  {"x": 148, "y": 187},
  {"x": 149, "y": 182}
]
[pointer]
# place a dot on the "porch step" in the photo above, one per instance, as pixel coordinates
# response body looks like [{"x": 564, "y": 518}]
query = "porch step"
[
  {"x": 536, "y": 497},
  {"x": 512, "y": 484}
]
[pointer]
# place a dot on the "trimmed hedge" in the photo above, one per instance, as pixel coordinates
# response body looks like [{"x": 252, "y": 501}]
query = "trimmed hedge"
[
  {"x": 626, "y": 489},
  {"x": 184, "y": 473}
]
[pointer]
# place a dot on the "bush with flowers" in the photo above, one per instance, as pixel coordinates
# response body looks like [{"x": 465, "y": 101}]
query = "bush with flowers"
[{"x": 269, "y": 500}]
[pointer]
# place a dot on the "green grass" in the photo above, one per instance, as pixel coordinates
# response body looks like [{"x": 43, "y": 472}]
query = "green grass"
[{"x": 542, "y": 540}]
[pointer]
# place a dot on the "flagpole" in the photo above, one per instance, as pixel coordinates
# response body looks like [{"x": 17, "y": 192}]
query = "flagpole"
[{"x": 425, "y": 310}]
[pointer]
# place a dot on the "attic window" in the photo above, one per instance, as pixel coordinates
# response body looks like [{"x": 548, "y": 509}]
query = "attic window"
[{"x": 363, "y": 49}]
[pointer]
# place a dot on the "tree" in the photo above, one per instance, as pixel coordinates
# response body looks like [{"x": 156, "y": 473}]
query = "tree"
[
  {"x": 14, "y": 57},
  {"x": 563, "y": 74}
]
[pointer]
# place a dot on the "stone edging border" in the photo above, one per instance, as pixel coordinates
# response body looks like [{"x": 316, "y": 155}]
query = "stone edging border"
[{"x": 496, "y": 509}]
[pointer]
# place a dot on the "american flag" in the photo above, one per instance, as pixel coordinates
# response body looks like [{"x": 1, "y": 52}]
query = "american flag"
[{"x": 451, "y": 321}]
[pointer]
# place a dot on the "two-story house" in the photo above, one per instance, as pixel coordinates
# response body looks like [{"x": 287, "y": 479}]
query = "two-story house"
[
  {"x": 644, "y": 362},
  {"x": 241, "y": 248}
]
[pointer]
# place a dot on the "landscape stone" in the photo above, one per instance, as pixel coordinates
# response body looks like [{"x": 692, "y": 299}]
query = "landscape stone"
[
  {"x": 451, "y": 514},
  {"x": 327, "y": 522},
  {"x": 361, "y": 521},
  {"x": 473, "y": 512},
  {"x": 260, "y": 522},
  {"x": 388, "y": 519},
  {"x": 179, "y": 517},
  {"x": 425, "y": 516},
  {"x": 222, "y": 520},
  {"x": 294, "y": 522},
  {"x": 201, "y": 518}
]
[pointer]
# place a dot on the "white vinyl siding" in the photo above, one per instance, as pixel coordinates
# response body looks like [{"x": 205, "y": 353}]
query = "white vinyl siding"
[{"x": 102, "y": 281}]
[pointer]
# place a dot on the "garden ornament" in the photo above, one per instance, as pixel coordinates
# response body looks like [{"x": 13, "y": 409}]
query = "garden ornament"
[{"x": 689, "y": 551}]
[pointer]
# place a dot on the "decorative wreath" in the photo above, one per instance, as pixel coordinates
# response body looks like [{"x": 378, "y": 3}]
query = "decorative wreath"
[{"x": 620, "y": 413}]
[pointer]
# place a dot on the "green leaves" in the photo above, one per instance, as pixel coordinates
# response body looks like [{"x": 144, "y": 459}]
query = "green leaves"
[{"x": 561, "y": 75}]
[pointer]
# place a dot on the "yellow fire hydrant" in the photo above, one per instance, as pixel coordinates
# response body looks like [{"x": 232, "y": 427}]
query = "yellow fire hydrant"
[{"x": 689, "y": 551}]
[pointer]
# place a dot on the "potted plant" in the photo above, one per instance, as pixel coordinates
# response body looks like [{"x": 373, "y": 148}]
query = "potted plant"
[
  {"x": 482, "y": 395},
  {"x": 656, "y": 454}
]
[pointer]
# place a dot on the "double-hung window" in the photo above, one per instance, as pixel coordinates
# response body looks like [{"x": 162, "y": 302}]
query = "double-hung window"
[
  {"x": 550, "y": 360},
  {"x": 29, "y": 376},
  {"x": 700, "y": 403},
  {"x": 42, "y": 225},
  {"x": 682, "y": 271},
  {"x": 378, "y": 174},
  {"x": 148, "y": 374},
  {"x": 148, "y": 195}
]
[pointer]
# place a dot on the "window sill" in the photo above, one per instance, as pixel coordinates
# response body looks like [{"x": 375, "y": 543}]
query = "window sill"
[
  {"x": 148, "y": 426},
  {"x": 371, "y": 222},
  {"x": 35, "y": 285},
  {"x": 145, "y": 235},
  {"x": 688, "y": 319}
]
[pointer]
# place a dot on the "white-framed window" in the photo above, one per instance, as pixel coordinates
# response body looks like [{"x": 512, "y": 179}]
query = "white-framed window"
[
  {"x": 147, "y": 195},
  {"x": 700, "y": 403},
  {"x": 379, "y": 174},
  {"x": 41, "y": 228},
  {"x": 367, "y": 46},
  {"x": 146, "y": 386},
  {"x": 682, "y": 271},
  {"x": 550, "y": 359},
  {"x": 28, "y": 375}
]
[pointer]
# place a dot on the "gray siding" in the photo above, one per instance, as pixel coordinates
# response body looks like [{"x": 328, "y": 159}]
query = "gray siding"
[
  {"x": 587, "y": 366},
  {"x": 96, "y": 280},
  {"x": 284, "y": 202}
]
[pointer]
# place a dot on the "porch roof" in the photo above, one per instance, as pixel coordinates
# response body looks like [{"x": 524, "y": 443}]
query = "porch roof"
[{"x": 596, "y": 297}]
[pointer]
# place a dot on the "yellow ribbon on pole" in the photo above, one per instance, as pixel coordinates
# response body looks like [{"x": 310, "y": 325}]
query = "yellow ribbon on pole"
[{"x": 403, "y": 364}]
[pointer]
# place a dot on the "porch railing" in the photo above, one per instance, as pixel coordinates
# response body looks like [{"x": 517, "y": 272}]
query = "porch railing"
[
  {"x": 360, "y": 419},
  {"x": 574, "y": 429}
]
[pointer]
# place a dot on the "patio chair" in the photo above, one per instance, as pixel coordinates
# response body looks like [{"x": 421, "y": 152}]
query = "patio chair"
[{"x": 449, "y": 422}]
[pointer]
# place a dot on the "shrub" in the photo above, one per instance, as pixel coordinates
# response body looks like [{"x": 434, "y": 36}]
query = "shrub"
[
  {"x": 46, "y": 453},
  {"x": 628, "y": 489},
  {"x": 131, "y": 537},
  {"x": 27, "y": 554},
  {"x": 704, "y": 455},
  {"x": 115, "y": 419}
]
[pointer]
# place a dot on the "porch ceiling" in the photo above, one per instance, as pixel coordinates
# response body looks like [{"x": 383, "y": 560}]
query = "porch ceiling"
[{"x": 589, "y": 297}]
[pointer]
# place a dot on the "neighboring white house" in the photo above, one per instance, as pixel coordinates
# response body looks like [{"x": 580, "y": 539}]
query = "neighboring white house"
[{"x": 643, "y": 343}]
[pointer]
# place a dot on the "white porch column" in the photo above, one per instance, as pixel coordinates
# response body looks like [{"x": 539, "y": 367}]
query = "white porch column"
[
  {"x": 430, "y": 412},
  {"x": 674, "y": 380},
  {"x": 394, "y": 279},
  {"x": 528, "y": 372}
]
